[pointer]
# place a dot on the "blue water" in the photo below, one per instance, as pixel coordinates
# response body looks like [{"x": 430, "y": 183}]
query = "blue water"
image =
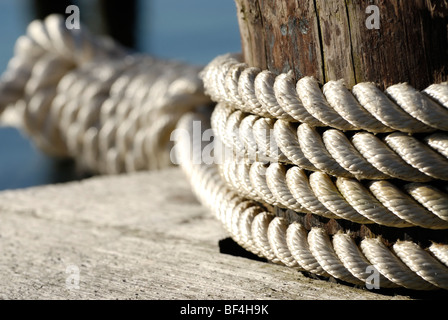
[{"x": 193, "y": 31}]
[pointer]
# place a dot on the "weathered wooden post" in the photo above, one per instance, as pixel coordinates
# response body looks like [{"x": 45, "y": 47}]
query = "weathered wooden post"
[{"x": 385, "y": 42}]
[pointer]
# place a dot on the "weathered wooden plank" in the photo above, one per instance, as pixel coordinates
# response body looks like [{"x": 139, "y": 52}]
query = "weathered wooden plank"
[{"x": 139, "y": 236}]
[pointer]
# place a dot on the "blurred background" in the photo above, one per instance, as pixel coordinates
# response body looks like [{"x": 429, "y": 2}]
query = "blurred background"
[{"x": 193, "y": 31}]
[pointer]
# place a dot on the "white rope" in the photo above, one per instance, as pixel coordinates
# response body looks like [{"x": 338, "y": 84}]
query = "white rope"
[
  {"x": 382, "y": 202},
  {"x": 270, "y": 123},
  {"x": 287, "y": 242},
  {"x": 87, "y": 98},
  {"x": 400, "y": 108},
  {"x": 73, "y": 47},
  {"x": 364, "y": 156}
]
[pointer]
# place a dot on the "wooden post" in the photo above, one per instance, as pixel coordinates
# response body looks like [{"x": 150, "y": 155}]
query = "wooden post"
[{"x": 339, "y": 39}]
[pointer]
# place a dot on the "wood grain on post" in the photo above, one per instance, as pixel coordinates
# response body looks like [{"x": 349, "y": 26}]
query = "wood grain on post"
[{"x": 331, "y": 40}]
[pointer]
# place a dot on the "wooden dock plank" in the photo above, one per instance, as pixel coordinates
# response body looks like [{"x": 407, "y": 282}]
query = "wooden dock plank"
[{"x": 137, "y": 236}]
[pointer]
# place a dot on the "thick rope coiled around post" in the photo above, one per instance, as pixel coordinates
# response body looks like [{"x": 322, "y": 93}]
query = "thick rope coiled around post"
[
  {"x": 347, "y": 198},
  {"x": 277, "y": 237},
  {"x": 363, "y": 156},
  {"x": 280, "y": 152},
  {"x": 262, "y": 93},
  {"x": 359, "y": 156},
  {"x": 380, "y": 202}
]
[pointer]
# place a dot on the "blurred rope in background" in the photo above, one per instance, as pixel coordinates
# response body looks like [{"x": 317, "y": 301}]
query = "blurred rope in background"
[{"x": 190, "y": 31}]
